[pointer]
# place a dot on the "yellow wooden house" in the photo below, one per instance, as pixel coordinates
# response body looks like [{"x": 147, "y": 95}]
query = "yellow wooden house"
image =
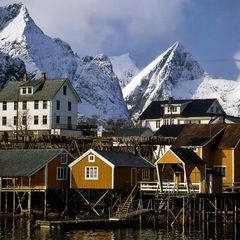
[{"x": 181, "y": 170}]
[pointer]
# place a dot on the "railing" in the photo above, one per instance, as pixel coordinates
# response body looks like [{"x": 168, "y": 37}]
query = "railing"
[
  {"x": 170, "y": 187},
  {"x": 231, "y": 187}
]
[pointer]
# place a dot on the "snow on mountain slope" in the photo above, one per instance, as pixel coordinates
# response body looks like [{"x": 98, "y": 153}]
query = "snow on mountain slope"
[
  {"x": 21, "y": 37},
  {"x": 10, "y": 69},
  {"x": 158, "y": 79},
  {"x": 125, "y": 68},
  {"x": 226, "y": 91},
  {"x": 93, "y": 78},
  {"x": 100, "y": 95}
]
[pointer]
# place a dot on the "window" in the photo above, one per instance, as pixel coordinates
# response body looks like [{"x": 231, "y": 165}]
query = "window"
[
  {"x": 29, "y": 90},
  {"x": 64, "y": 158},
  {"x": 15, "y": 120},
  {"x": 24, "y": 120},
  {"x": 24, "y": 90},
  {"x": 220, "y": 169},
  {"x": 58, "y": 105},
  {"x": 91, "y": 158},
  {"x": 36, "y": 104},
  {"x": 4, "y": 106},
  {"x": 174, "y": 109},
  {"x": 24, "y": 105},
  {"x": 69, "y": 106},
  {"x": 35, "y": 120},
  {"x": 44, "y": 104},
  {"x": 15, "y": 105},
  {"x": 91, "y": 173},
  {"x": 64, "y": 90},
  {"x": 44, "y": 119},
  {"x": 58, "y": 119},
  {"x": 145, "y": 174},
  {"x": 62, "y": 173},
  {"x": 4, "y": 121},
  {"x": 158, "y": 123}
]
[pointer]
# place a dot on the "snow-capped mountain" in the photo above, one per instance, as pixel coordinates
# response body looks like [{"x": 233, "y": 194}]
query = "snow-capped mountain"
[
  {"x": 125, "y": 68},
  {"x": 176, "y": 74},
  {"x": 101, "y": 95},
  {"x": 159, "y": 78},
  {"x": 10, "y": 69},
  {"x": 21, "y": 38}
]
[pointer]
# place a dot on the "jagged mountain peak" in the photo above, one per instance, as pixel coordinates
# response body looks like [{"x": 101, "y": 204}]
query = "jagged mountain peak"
[
  {"x": 156, "y": 80},
  {"x": 125, "y": 68}
]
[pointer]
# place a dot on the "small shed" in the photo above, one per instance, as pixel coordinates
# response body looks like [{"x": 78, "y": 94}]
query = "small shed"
[
  {"x": 34, "y": 169},
  {"x": 182, "y": 167},
  {"x": 109, "y": 170}
]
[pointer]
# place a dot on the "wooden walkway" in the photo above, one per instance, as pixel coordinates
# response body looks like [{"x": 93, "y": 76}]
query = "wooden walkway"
[{"x": 85, "y": 223}]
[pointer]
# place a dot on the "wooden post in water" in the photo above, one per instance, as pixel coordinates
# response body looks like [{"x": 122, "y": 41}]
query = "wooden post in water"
[
  {"x": 29, "y": 202},
  {"x": 183, "y": 213},
  {"x": 6, "y": 202},
  {"x": 45, "y": 205}
]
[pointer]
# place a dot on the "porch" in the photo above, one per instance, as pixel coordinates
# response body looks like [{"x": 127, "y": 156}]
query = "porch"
[{"x": 170, "y": 187}]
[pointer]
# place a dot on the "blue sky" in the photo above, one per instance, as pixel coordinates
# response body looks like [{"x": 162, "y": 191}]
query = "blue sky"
[{"x": 209, "y": 29}]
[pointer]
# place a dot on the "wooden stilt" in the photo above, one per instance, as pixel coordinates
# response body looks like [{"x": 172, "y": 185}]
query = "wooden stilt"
[
  {"x": 29, "y": 202},
  {"x": 6, "y": 202},
  {"x": 45, "y": 205}
]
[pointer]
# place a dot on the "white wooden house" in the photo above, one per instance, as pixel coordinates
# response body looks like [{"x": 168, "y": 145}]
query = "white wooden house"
[
  {"x": 39, "y": 107},
  {"x": 183, "y": 111}
]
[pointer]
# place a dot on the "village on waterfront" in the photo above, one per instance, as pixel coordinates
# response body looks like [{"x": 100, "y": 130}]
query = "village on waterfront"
[{"x": 179, "y": 163}]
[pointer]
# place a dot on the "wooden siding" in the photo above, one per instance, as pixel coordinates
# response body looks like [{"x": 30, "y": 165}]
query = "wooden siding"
[
  {"x": 38, "y": 179},
  {"x": 237, "y": 163},
  {"x": 168, "y": 157},
  {"x": 104, "y": 180},
  {"x": 223, "y": 157},
  {"x": 53, "y": 182}
]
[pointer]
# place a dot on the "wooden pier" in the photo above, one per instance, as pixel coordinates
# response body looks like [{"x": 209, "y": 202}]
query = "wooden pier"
[{"x": 86, "y": 223}]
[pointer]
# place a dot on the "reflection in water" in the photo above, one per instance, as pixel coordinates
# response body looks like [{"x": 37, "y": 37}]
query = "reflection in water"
[{"x": 18, "y": 228}]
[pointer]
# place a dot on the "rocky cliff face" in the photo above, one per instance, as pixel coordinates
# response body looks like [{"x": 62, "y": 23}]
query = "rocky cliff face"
[
  {"x": 160, "y": 77},
  {"x": 93, "y": 77},
  {"x": 10, "y": 69}
]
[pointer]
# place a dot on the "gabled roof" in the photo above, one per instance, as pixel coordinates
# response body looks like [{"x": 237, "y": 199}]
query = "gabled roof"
[
  {"x": 46, "y": 91},
  {"x": 231, "y": 136},
  {"x": 194, "y": 108},
  {"x": 170, "y": 130},
  {"x": 133, "y": 132},
  {"x": 16, "y": 163},
  {"x": 198, "y": 134},
  {"x": 187, "y": 156},
  {"x": 118, "y": 159}
]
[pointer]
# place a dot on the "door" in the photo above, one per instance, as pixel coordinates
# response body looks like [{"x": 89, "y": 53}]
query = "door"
[{"x": 133, "y": 176}]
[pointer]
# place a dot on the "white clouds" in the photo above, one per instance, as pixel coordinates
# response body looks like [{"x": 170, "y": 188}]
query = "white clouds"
[
  {"x": 237, "y": 62},
  {"x": 93, "y": 26}
]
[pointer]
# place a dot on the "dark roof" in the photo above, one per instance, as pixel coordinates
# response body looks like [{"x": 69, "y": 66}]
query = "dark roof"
[
  {"x": 124, "y": 159},
  {"x": 132, "y": 132},
  {"x": 170, "y": 130},
  {"x": 46, "y": 91},
  {"x": 31, "y": 83},
  {"x": 231, "y": 136},
  {"x": 198, "y": 134},
  {"x": 195, "y": 107},
  {"x": 25, "y": 162},
  {"x": 187, "y": 156}
]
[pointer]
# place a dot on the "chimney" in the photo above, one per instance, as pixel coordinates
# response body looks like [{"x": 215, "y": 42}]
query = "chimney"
[
  {"x": 25, "y": 77},
  {"x": 170, "y": 99},
  {"x": 43, "y": 76}
]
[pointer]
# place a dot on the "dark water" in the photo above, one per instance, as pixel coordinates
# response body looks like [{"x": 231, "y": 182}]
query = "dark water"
[{"x": 24, "y": 229}]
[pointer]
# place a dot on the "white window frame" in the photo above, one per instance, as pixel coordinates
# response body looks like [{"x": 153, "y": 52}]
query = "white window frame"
[
  {"x": 145, "y": 174},
  {"x": 91, "y": 173},
  {"x": 91, "y": 158},
  {"x": 62, "y": 173},
  {"x": 64, "y": 158}
]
